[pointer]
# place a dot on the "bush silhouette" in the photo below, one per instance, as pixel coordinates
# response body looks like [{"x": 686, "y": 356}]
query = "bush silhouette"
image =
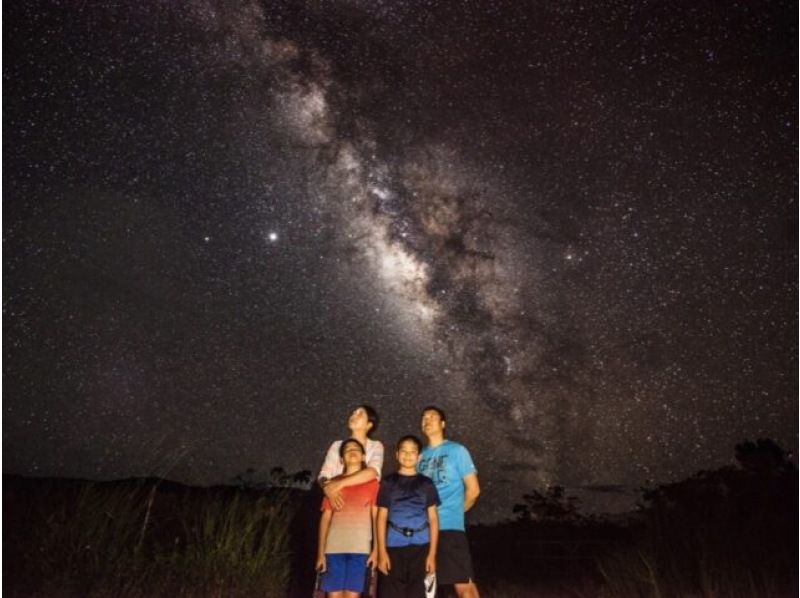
[
  {"x": 726, "y": 532},
  {"x": 552, "y": 504}
]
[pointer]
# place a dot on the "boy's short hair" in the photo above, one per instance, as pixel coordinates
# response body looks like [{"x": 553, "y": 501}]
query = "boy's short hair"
[
  {"x": 438, "y": 410},
  {"x": 372, "y": 417},
  {"x": 408, "y": 438},
  {"x": 350, "y": 441}
]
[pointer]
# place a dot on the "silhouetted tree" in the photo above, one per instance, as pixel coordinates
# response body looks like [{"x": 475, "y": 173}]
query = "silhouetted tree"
[
  {"x": 301, "y": 478},
  {"x": 716, "y": 524},
  {"x": 278, "y": 478},
  {"x": 246, "y": 480},
  {"x": 550, "y": 505},
  {"x": 763, "y": 457}
]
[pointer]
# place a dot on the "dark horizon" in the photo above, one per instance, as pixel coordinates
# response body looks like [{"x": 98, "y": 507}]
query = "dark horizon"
[
  {"x": 573, "y": 227},
  {"x": 610, "y": 501}
]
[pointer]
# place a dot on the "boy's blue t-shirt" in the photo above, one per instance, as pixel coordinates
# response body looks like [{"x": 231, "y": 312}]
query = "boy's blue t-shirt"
[
  {"x": 407, "y": 497},
  {"x": 447, "y": 465}
]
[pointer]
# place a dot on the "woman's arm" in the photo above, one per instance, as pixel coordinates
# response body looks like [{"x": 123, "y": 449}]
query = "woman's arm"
[
  {"x": 331, "y": 466},
  {"x": 375, "y": 457},
  {"x": 333, "y": 487},
  {"x": 372, "y": 471},
  {"x": 353, "y": 479}
]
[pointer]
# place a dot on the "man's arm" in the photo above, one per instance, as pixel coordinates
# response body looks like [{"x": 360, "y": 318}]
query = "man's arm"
[{"x": 472, "y": 490}]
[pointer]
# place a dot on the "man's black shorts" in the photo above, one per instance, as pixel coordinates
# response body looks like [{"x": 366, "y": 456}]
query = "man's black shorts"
[{"x": 453, "y": 561}]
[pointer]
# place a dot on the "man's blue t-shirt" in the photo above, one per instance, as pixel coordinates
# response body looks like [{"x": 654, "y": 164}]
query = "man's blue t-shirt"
[
  {"x": 407, "y": 497},
  {"x": 447, "y": 465}
]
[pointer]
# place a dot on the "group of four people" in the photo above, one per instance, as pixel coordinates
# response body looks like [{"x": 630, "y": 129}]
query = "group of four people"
[{"x": 409, "y": 524}]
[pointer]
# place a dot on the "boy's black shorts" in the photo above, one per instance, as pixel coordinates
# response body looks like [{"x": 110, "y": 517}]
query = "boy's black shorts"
[
  {"x": 407, "y": 575},
  {"x": 453, "y": 560}
]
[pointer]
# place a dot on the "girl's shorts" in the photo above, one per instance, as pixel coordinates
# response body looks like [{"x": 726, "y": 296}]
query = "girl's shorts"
[{"x": 345, "y": 571}]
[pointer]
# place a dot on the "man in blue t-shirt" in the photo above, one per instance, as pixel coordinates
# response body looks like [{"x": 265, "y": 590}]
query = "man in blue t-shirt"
[
  {"x": 407, "y": 525},
  {"x": 450, "y": 466}
]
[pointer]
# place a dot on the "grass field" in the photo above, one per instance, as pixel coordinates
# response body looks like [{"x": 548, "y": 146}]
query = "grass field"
[
  {"x": 144, "y": 539},
  {"x": 725, "y": 534}
]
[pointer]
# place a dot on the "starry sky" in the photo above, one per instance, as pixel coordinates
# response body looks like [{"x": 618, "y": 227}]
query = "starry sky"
[{"x": 573, "y": 225}]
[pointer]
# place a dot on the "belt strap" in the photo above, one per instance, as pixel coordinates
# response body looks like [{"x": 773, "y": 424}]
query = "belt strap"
[{"x": 407, "y": 531}]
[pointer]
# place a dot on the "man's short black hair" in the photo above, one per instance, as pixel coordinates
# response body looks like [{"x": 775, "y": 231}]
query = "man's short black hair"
[
  {"x": 350, "y": 441},
  {"x": 372, "y": 417},
  {"x": 408, "y": 438},
  {"x": 438, "y": 410}
]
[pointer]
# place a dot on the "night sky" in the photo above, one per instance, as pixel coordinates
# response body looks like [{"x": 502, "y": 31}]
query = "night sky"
[{"x": 571, "y": 225}]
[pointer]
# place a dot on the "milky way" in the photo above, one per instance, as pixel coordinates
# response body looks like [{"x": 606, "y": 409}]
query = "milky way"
[{"x": 573, "y": 227}]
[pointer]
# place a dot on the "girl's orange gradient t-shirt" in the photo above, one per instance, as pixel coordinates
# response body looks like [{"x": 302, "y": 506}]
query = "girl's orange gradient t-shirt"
[{"x": 351, "y": 527}]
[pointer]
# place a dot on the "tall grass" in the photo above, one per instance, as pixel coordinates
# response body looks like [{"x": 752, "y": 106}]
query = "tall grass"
[
  {"x": 101, "y": 540},
  {"x": 239, "y": 549},
  {"x": 728, "y": 533},
  {"x": 84, "y": 537}
]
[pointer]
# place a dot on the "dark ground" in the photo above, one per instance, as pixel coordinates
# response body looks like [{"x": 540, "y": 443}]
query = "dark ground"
[{"x": 730, "y": 532}]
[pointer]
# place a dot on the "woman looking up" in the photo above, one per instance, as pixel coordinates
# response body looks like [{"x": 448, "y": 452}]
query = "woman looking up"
[{"x": 363, "y": 422}]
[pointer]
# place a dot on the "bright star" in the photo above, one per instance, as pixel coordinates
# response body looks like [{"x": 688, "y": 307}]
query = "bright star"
[{"x": 273, "y": 236}]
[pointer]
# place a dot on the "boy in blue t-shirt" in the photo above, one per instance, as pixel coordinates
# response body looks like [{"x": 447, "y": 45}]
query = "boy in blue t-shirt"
[{"x": 408, "y": 525}]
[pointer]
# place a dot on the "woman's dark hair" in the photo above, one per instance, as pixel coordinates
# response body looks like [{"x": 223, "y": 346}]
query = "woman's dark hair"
[
  {"x": 350, "y": 441},
  {"x": 408, "y": 438},
  {"x": 372, "y": 417}
]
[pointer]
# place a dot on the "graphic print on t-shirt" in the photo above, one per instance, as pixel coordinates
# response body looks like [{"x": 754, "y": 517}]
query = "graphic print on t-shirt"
[
  {"x": 447, "y": 464},
  {"x": 435, "y": 468}
]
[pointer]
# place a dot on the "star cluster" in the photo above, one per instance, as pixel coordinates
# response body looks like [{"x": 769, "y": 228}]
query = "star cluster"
[{"x": 573, "y": 226}]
